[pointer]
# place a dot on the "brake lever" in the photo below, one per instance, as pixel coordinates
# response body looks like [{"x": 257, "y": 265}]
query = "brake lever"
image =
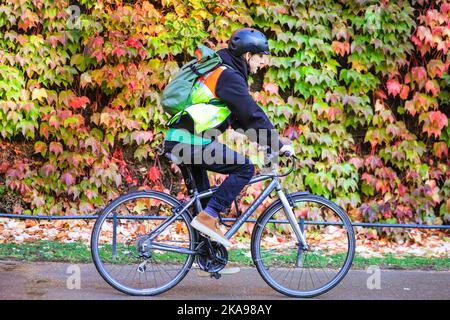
[{"x": 272, "y": 156}]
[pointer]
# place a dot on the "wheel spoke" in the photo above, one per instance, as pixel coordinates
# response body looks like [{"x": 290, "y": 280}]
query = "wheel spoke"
[
  {"x": 168, "y": 261},
  {"x": 331, "y": 247}
]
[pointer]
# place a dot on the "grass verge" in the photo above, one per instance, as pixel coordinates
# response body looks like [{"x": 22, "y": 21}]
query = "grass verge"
[{"x": 78, "y": 252}]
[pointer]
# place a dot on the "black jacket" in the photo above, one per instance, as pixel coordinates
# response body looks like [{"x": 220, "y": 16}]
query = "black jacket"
[{"x": 232, "y": 89}]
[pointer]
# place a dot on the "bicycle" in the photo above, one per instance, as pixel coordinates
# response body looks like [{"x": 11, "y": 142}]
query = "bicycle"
[{"x": 148, "y": 247}]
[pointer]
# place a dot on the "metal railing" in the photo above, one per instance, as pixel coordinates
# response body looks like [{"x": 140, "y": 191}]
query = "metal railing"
[
  {"x": 355, "y": 224},
  {"x": 302, "y": 222}
]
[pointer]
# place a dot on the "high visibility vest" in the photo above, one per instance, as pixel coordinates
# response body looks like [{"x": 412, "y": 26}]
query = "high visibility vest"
[{"x": 205, "y": 108}]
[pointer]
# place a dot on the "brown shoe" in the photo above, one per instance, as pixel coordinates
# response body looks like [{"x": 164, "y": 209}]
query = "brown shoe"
[{"x": 209, "y": 225}]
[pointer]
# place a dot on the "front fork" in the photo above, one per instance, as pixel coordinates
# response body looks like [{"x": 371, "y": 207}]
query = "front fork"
[{"x": 292, "y": 220}]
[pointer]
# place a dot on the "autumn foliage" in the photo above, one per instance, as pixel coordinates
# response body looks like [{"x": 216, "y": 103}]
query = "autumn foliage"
[{"x": 361, "y": 89}]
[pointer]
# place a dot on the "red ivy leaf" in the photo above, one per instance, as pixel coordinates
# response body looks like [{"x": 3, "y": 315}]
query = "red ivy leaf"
[
  {"x": 64, "y": 114},
  {"x": 132, "y": 85},
  {"x": 154, "y": 174},
  {"x": 128, "y": 179},
  {"x": 96, "y": 48},
  {"x": 341, "y": 48},
  {"x": 439, "y": 119},
  {"x": 404, "y": 92},
  {"x": 4, "y": 166},
  {"x": 143, "y": 53},
  {"x": 357, "y": 162},
  {"x": 79, "y": 102},
  {"x": 332, "y": 112},
  {"x": 54, "y": 122},
  {"x": 55, "y": 147},
  {"x": 381, "y": 186},
  {"x": 134, "y": 43},
  {"x": 90, "y": 194},
  {"x": 28, "y": 19},
  {"x": 292, "y": 133},
  {"x": 67, "y": 179},
  {"x": 281, "y": 239},
  {"x": 432, "y": 87},
  {"x": 142, "y": 136},
  {"x": 437, "y": 68},
  {"x": 13, "y": 173},
  {"x": 402, "y": 189},
  {"x": 40, "y": 147},
  {"x": 434, "y": 122},
  {"x": 393, "y": 87},
  {"x": 48, "y": 169},
  {"x": 373, "y": 162},
  {"x": 368, "y": 178},
  {"x": 416, "y": 41},
  {"x": 118, "y": 52},
  {"x": 445, "y": 7},
  {"x": 43, "y": 130},
  {"x": 419, "y": 75},
  {"x": 97, "y": 42},
  {"x": 379, "y": 94},
  {"x": 98, "y": 55},
  {"x": 440, "y": 148},
  {"x": 270, "y": 88}
]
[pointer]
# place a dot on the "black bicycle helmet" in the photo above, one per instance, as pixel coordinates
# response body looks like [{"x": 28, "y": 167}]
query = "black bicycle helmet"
[{"x": 248, "y": 40}]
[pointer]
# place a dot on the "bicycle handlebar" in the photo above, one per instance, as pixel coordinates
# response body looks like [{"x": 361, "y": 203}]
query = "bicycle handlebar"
[{"x": 272, "y": 156}]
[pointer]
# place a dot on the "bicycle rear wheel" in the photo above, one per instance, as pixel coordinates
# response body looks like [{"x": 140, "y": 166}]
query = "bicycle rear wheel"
[
  {"x": 124, "y": 257},
  {"x": 282, "y": 262}
]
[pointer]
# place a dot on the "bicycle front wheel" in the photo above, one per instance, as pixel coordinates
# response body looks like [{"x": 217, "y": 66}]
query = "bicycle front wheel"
[
  {"x": 285, "y": 265},
  {"x": 123, "y": 254}
]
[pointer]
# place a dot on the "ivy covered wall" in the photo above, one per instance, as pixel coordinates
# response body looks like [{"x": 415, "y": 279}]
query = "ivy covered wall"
[{"x": 360, "y": 88}]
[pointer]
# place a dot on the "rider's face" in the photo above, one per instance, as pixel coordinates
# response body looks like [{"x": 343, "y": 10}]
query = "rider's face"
[{"x": 256, "y": 61}]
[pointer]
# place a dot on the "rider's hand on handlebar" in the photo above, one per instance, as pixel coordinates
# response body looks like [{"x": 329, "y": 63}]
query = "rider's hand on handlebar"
[{"x": 287, "y": 150}]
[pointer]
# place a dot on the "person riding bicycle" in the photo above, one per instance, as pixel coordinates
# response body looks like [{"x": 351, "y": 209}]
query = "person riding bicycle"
[{"x": 247, "y": 52}]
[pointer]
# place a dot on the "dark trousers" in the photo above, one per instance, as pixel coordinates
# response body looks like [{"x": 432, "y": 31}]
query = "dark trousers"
[{"x": 215, "y": 157}]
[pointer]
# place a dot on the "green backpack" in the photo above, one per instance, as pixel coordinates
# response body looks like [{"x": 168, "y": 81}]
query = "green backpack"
[{"x": 175, "y": 97}]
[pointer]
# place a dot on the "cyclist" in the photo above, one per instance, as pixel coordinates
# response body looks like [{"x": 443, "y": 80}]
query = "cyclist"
[{"x": 247, "y": 52}]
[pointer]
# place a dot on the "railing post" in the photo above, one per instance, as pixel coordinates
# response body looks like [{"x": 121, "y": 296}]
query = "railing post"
[
  {"x": 300, "y": 247},
  {"x": 114, "y": 240}
]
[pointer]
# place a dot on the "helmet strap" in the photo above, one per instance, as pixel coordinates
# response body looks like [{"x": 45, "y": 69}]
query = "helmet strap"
[{"x": 247, "y": 64}]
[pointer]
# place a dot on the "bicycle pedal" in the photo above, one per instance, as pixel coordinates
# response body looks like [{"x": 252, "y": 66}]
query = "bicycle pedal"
[{"x": 216, "y": 275}]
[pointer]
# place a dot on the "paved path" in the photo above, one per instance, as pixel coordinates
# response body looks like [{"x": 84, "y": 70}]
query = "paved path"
[{"x": 44, "y": 280}]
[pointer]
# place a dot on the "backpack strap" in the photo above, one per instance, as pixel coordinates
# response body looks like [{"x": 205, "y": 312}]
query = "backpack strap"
[
  {"x": 211, "y": 80},
  {"x": 194, "y": 70},
  {"x": 198, "y": 73}
]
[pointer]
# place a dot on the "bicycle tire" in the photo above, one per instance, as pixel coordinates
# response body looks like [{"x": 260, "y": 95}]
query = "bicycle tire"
[
  {"x": 186, "y": 216},
  {"x": 260, "y": 227}
]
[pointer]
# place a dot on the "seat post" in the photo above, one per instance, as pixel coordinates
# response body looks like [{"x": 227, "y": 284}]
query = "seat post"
[
  {"x": 189, "y": 180},
  {"x": 191, "y": 185}
]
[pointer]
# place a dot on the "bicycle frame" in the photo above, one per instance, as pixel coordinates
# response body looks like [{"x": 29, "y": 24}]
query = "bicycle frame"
[
  {"x": 197, "y": 196},
  {"x": 209, "y": 256}
]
